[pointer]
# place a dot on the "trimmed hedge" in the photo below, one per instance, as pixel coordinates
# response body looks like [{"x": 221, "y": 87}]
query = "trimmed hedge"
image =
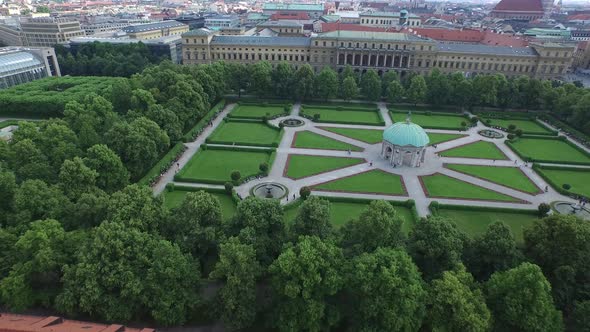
[
  {"x": 435, "y": 206},
  {"x": 551, "y": 132},
  {"x": 8, "y": 123},
  {"x": 191, "y": 135},
  {"x": 162, "y": 165},
  {"x": 459, "y": 128},
  {"x": 509, "y": 143},
  {"x": 565, "y": 127},
  {"x": 539, "y": 169},
  {"x": 377, "y": 124},
  {"x": 340, "y": 108}
]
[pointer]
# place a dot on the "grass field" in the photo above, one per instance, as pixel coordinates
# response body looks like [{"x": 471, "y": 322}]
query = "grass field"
[
  {"x": 345, "y": 116},
  {"x": 246, "y": 133},
  {"x": 437, "y": 138},
  {"x": 311, "y": 140},
  {"x": 375, "y": 181},
  {"x": 173, "y": 199},
  {"x": 452, "y": 122},
  {"x": 549, "y": 150},
  {"x": 511, "y": 177},
  {"x": 217, "y": 165},
  {"x": 256, "y": 111},
  {"x": 370, "y": 136},
  {"x": 370, "y": 106},
  {"x": 578, "y": 179},
  {"x": 300, "y": 166},
  {"x": 527, "y": 126},
  {"x": 440, "y": 185},
  {"x": 479, "y": 149},
  {"x": 343, "y": 212},
  {"x": 476, "y": 222}
]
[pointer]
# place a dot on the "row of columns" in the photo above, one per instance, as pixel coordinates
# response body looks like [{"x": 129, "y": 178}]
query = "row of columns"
[
  {"x": 396, "y": 155},
  {"x": 373, "y": 60}
]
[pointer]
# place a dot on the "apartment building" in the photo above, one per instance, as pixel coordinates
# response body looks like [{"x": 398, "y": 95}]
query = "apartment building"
[
  {"x": 49, "y": 31},
  {"x": 155, "y": 30}
]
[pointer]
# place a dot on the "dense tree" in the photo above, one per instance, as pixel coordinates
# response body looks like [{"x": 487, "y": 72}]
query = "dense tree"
[
  {"x": 76, "y": 179},
  {"x": 455, "y": 303},
  {"x": 326, "y": 84},
  {"x": 282, "y": 79},
  {"x": 417, "y": 90},
  {"x": 485, "y": 90},
  {"x": 305, "y": 278},
  {"x": 388, "y": 77},
  {"x": 493, "y": 251},
  {"x": 386, "y": 292},
  {"x": 313, "y": 218},
  {"x": 560, "y": 245},
  {"x": 238, "y": 269},
  {"x": 395, "y": 92},
  {"x": 35, "y": 200},
  {"x": 136, "y": 207},
  {"x": 436, "y": 245},
  {"x": 520, "y": 300},
  {"x": 304, "y": 80},
  {"x": 7, "y": 190},
  {"x": 439, "y": 88},
  {"x": 377, "y": 226},
  {"x": 261, "y": 78},
  {"x": 580, "y": 319},
  {"x": 349, "y": 88},
  {"x": 259, "y": 222},
  {"x": 94, "y": 284},
  {"x": 348, "y": 72},
  {"x": 371, "y": 85},
  {"x": 238, "y": 77},
  {"x": 112, "y": 174}
]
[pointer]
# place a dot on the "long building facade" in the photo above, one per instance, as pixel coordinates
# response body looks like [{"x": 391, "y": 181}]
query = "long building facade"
[{"x": 382, "y": 51}]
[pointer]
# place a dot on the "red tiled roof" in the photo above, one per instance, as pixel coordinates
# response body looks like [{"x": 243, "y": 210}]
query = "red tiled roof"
[
  {"x": 470, "y": 36},
  {"x": 23, "y": 323},
  {"x": 520, "y": 5},
  {"x": 579, "y": 17},
  {"x": 327, "y": 27}
]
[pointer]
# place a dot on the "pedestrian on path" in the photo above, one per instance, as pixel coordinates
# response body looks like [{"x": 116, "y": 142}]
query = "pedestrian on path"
[
  {"x": 546, "y": 189},
  {"x": 293, "y": 196},
  {"x": 515, "y": 162}
]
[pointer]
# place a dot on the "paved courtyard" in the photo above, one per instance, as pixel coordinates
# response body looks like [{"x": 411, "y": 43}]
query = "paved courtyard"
[{"x": 370, "y": 154}]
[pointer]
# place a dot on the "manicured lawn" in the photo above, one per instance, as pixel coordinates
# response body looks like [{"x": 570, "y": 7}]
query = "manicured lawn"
[
  {"x": 174, "y": 198},
  {"x": 440, "y": 185},
  {"x": 431, "y": 121},
  {"x": 217, "y": 165},
  {"x": 511, "y": 177},
  {"x": 256, "y": 111},
  {"x": 578, "y": 179},
  {"x": 549, "y": 150},
  {"x": 245, "y": 133},
  {"x": 311, "y": 140},
  {"x": 343, "y": 212},
  {"x": 300, "y": 166},
  {"x": 370, "y": 136},
  {"x": 479, "y": 149},
  {"x": 370, "y": 106},
  {"x": 476, "y": 222},
  {"x": 437, "y": 138},
  {"x": 527, "y": 126},
  {"x": 345, "y": 116},
  {"x": 375, "y": 181}
]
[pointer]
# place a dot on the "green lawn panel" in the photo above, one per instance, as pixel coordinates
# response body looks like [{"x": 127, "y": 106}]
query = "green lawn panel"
[
  {"x": 527, "y": 126},
  {"x": 548, "y": 149},
  {"x": 476, "y": 222},
  {"x": 579, "y": 180},
  {"x": 174, "y": 198},
  {"x": 440, "y": 185},
  {"x": 311, "y": 140},
  {"x": 370, "y": 136},
  {"x": 375, "y": 181},
  {"x": 479, "y": 149},
  {"x": 452, "y": 122},
  {"x": 437, "y": 138},
  {"x": 256, "y": 111},
  {"x": 300, "y": 166},
  {"x": 511, "y": 177},
  {"x": 243, "y": 132},
  {"x": 217, "y": 165},
  {"x": 370, "y": 106},
  {"x": 343, "y": 212},
  {"x": 344, "y": 116}
]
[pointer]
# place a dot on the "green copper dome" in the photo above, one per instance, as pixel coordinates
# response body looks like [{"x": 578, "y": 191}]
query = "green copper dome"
[{"x": 406, "y": 133}]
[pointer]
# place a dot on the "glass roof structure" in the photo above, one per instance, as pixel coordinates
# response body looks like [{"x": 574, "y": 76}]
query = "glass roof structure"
[{"x": 13, "y": 62}]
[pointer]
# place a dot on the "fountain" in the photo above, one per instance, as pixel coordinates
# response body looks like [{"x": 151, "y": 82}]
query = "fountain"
[
  {"x": 292, "y": 122},
  {"x": 572, "y": 208},
  {"x": 490, "y": 133},
  {"x": 269, "y": 190}
]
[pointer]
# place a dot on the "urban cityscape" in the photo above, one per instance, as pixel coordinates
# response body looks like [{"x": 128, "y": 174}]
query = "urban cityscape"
[{"x": 289, "y": 165}]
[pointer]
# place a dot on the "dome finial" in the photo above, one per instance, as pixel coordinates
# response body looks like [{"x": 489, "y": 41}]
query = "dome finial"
[{"x": 409, "y": 118}]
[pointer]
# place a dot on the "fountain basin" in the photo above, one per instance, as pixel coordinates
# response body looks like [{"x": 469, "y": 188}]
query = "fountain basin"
[
  {"x": 572, "y": 208},
  {"x": 270, "y": 190},
  {"x": 490, "y": 133},
  {"x": 290, "y": 122}
]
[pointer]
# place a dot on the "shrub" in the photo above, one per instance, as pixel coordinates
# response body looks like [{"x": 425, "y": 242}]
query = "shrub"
[
  {"x": 474, "y": 120},
  {"x": 566, "y": 186},
  {"x": 543, "y": 208},
  {"x": 228, "y": 187},
  {"x": 316, "y": 117},
  {"x": 263, "y": 167},
  {"x": 510, "y": 136},
  {"x": 518, "y": 132},
  {"x": 281, "y": 125},
  {"x": 264, "y": 118},
  {"x": 304, "y": 192},
  {"x": 463, "y": 124},
  {"x": 286, "y": 109},
  {"x": 488, "y": 122},
  {"x": 511, "y": 128},
  {"x": 235, "y": 176}
]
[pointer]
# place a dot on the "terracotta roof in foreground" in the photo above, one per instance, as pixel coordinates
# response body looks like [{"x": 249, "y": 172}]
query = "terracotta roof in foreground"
[{"x": 25, "y": 323}]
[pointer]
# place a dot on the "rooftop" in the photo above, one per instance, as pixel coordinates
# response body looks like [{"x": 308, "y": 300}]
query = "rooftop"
[
  {"x": 11, "y": 60},
  {"x": 153, "y": 26},
  {"x": 486, "y": 49},
  {"x": 23, "y": 323},
  {"x": 386, "y": 14},
  {"x": 406, "y": 133},
  {"x": 293, "y": 6},
  {"x": 198, "y": 32},
  {"x": 519, "y": 6},
  {"x": 283, "y": 24},
  {"x": 372, "y": 35},
  {"x": 260, "y": 41}
]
